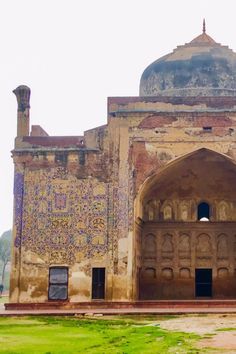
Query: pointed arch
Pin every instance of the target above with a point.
(199, 159)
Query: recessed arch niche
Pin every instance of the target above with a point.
(180, 241)
(149, 246)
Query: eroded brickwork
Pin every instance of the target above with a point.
(124, 197)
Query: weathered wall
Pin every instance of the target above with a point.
(171, 130)
(85, 207)
(172, 251)
(60, 219)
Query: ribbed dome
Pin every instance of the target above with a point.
(199, 68)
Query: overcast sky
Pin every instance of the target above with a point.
(73, 54)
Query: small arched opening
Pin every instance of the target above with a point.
(203, 212)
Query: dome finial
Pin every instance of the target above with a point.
(204, 26)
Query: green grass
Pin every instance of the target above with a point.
(50, 335)
(226, 329)
(142, 318)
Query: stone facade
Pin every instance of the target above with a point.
(118, 207)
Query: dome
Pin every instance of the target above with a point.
(199, 68)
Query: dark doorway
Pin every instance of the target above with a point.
(203, 282)
(203, 211)
(98, 283)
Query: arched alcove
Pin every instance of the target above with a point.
(186, 191)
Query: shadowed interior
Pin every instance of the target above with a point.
(174, 242)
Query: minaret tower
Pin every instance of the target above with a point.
(23, 118)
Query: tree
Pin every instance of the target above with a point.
(5, 252)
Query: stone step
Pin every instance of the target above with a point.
(206, 303)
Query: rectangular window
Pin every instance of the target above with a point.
(98, 283)
(61, 157)
(58, 283)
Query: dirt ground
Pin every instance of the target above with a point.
(218, 331)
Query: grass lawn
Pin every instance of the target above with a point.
(49, 335)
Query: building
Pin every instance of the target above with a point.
(143, 207)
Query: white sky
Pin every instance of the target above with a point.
(75, 53)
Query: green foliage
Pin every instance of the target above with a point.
(4, 299)
(38, 335)
(6, 281)
(5, 254)
(5, 246)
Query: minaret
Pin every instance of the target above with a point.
(23, 118)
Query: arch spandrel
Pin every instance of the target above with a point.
(195, 176)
